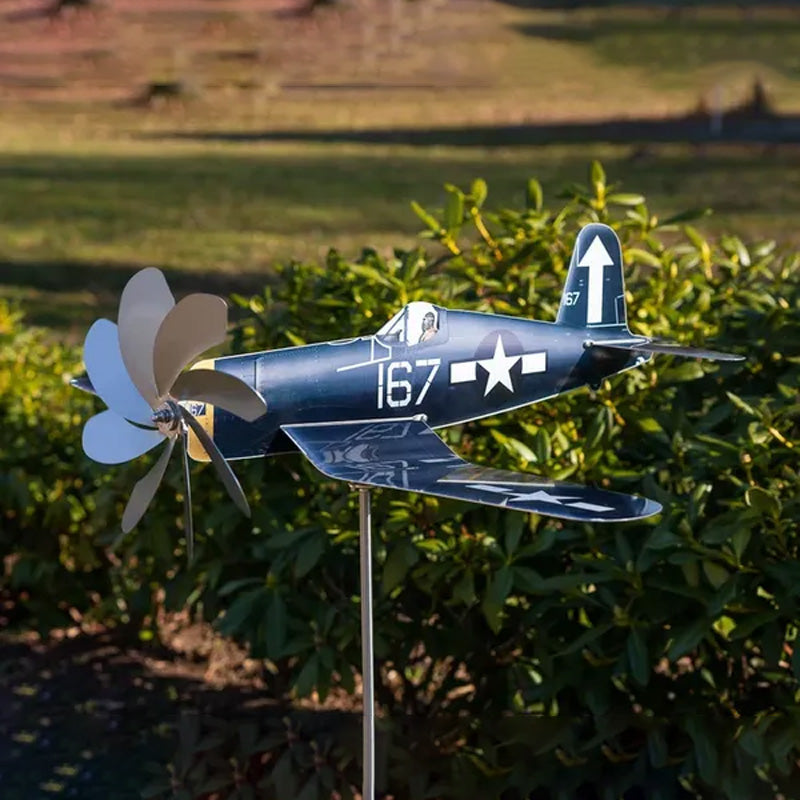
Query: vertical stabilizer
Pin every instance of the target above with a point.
(594, 294)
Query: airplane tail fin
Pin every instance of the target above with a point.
(594, 300)
(594, 294)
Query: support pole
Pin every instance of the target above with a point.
(367, 652)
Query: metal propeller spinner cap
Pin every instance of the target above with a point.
(167, 418)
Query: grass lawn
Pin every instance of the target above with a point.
(92, 188)
(75, 224)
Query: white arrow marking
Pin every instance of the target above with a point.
(596, 258)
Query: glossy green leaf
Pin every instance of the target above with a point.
(479, 192)
(307, 679)
(454, 209)
(705, 749)
(514, 528)
(241, 611)
(763, 502)
(275, 626)
(308, 555)
(431, 221)
(688, 638)
(626, 199)
(597, 174)
(717, 575)
(638, 657)
(534, 195)
(496, 594)
(401, 558)
(741, 404)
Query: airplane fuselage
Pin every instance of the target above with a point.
(475, 365)
(362, 410)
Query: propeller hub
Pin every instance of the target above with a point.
(167, 418)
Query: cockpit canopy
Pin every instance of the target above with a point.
(414, 324)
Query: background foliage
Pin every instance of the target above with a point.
(517, 654)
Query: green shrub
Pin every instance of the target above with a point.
(655, 655)
(521, 654)
(53, 502)
(59, 511)
(272, 755)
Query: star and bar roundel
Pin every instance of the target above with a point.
(504, 360)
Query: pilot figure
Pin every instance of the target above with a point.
(429, 329)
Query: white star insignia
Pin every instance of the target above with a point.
(540, 496)
(498, 368)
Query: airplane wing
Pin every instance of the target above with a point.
(407, 454)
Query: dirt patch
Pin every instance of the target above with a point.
(92, 50)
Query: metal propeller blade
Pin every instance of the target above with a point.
(220, 389)
(223, 470)
(108, 376)
(195, 324)
(133, 367)
(188, 522)
(145, 302)
(109, 439)
(145, 489)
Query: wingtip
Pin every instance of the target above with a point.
(651, 508)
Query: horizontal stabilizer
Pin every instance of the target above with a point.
(407, 454)
(667, 348)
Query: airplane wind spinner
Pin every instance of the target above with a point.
(364, 410)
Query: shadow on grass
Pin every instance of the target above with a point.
(217, 220)
(68, 295)
(83, 717)
(667, 5)
(109, 279)
(696, 128)
(94, 717)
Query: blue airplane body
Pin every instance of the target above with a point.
(363, 410)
